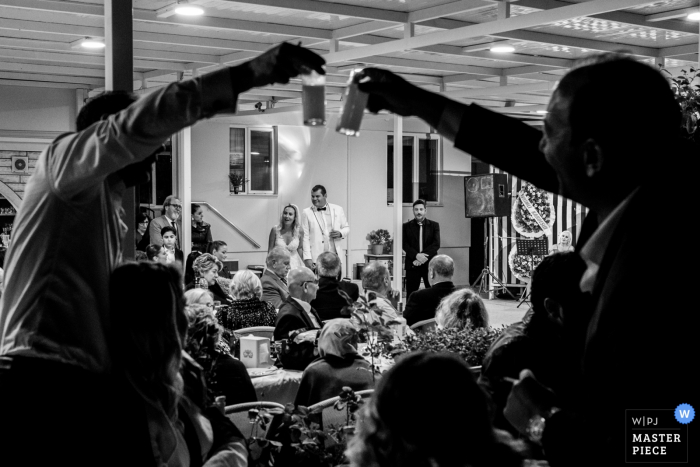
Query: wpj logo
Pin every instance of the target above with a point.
(657, 435)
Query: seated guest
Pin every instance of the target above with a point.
(423, 303)
(189, 271)
(376, 283)
(460, 435)
(544, 340)
(162, 394)
(206, 269)
(297, 321)
(141, 227)
(338, 365)
(224, 375)
(199, 296)
(247, 309)
(169, 240)
(460, 309)
(274, 279)
(219, 249)
(140, 256)
(328, 301)
(156, 254)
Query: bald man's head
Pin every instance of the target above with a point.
(303, 284)
(442, 267)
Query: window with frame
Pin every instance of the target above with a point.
(421, 168)
(252, 156)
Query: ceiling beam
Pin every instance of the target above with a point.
(484, 29)
(522, 58)
(673, 14)
(83, 81)
(56, 70)
(362, 28)
(84, 59)
(500, 90)
(39, 84)
(332, 8)
(679, 50)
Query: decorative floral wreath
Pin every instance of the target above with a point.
(522, 265)
(523, 222)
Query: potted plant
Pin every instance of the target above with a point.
(688, 97)
(237, 180)
(377, 239)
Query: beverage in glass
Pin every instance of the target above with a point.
(354, 103)
(313, 98)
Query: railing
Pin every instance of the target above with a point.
(235, 227)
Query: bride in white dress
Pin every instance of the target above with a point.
(288, 234)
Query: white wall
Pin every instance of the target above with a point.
(353, 170)
(36, 109)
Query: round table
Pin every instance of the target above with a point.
(279, 386)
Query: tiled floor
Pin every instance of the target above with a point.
(504, 311)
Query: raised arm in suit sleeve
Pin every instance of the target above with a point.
(411, 252)
(306, 243)
(344, 226)
(431, 249)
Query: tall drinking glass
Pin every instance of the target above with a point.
(354, 103)
(313, 98)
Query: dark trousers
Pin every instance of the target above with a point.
(52, 413)
(413, 276)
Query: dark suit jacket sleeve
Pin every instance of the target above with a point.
(431, 249)
(410, 250)
(412, 311)
(518, 154)
(287, 321)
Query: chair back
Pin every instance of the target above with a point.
(330, 416)
(238, 414)
(257, 331)
(423, 326)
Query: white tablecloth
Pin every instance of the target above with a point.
(280, 386)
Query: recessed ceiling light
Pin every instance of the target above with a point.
(503, 49)
(694, 16)
(92, 44)
(541, 111)
(185, 9)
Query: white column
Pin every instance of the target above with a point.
(398, 203)
(184, 187)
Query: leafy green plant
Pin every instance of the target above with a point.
(470, 343)
(237, 180)
(378, 237)
(687, 95)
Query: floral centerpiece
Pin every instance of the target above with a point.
(470, 343)
(522, 266)
(378, 238)
(237, 180)
(523, 221)
(687, 95)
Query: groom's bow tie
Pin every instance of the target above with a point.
(321, 209)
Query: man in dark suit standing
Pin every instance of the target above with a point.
(421, 241)
(297, 321)
(328, 301)
(423, 303)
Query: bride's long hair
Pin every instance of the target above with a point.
(296, 223)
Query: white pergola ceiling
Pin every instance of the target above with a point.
(441, 44)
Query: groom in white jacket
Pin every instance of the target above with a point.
(325, 228)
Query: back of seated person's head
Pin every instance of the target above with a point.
(103, 105)
(199, 296)
(375, 277)
(460, 309)
(203, 332)
(442, 265)
(140, 256)
(555, 288)
(245, 285)
(276, 254)
(206, 262)
(152, 252)
(428, 411)
(328, 264)
(189, 270)
(148, 329)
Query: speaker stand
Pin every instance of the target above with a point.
(486, 272)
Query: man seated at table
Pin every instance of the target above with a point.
(274, 279)
(422, 303)
(297, 321)
(328, 302)
(544, 340)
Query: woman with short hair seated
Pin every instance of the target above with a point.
(206, 269)
(460, 309)
(247, 309)
(225, 376)
(200, 297)
(428, 411)
(338, 365)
